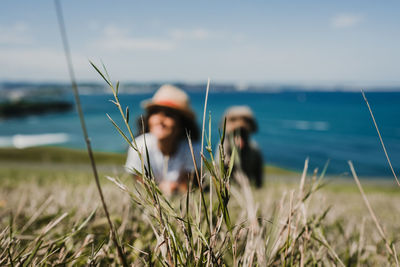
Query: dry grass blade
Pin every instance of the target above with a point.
(371, 211)
(380, 138)
(37, 214)
(303, 178)
(203, 202)
(395, 255)
(317, 235)
(52, 224)
(83, 125)
(360, 241)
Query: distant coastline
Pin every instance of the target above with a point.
(23, 108)
(14, 89)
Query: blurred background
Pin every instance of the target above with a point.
(299, 66)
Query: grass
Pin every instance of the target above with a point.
(44, 165)
(34, 193)
(47, 164)
(57, 155)
(48, 194)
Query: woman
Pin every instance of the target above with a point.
(167, 121)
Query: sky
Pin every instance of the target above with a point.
(243, 42)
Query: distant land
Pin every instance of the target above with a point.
(17, 90)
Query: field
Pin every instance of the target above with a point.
(51, 214)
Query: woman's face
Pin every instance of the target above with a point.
(164, 124)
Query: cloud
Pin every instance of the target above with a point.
(114, 38)
(196, 34)
(15, 34)
(38, 64)
(136, 44)
(341, 21)
(119, 39)
(111, 31)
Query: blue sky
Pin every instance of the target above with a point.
(296, 42)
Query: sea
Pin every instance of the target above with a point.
(329, 128)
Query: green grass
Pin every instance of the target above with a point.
(57, 155)
(44, 190)
(47, 164)
(44, 165)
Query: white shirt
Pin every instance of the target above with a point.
(163, 167)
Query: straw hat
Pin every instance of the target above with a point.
(240, 117)
(171, 97)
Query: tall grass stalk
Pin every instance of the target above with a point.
(83, 126)
(390, 247)
(380, 137)
(202, 148)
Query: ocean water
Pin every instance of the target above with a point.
(293, 126)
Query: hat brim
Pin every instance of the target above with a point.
(188, 113)
(188, 117)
